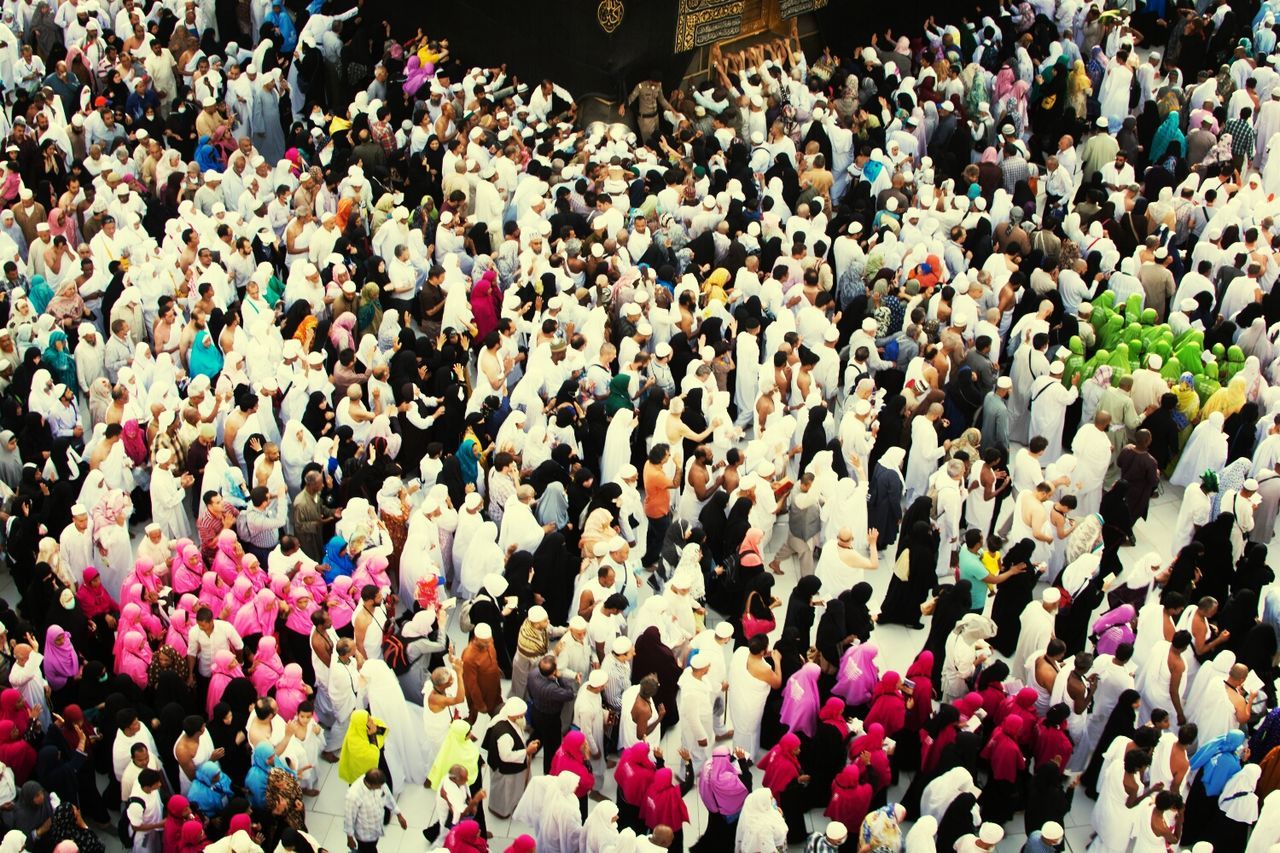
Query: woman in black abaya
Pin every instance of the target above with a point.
(857, 611)
(1217, 565)
(800, 610)
(904, 596)
(791, 656)
(953, 603)
(1012, 597)
(653, 657)
(553, 578)
(1122, 723)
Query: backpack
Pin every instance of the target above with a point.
(394, 653)
(464, 616)
(124, 829)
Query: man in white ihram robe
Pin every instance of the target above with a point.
(1037, 630)
(922, 459)
(76, 542)
(1049, 401)
(1092, 450)
(588, 717)
(746, 356)
(168, 498)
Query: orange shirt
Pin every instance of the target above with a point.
(657, 500)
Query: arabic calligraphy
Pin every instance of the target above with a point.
(609, 14)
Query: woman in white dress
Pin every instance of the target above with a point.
(617, 445)
(1205, 449)
(405, 750)
(761, 825)
(481, 557)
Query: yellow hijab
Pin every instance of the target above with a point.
(1227, 400)
(359, 756)
(713, 286)
(457, 749)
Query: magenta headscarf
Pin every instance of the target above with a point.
(61, 663)
(225, 561)
(800, 700)
(180, 623)
(719, 786)
(225, 669)
(211, 592)
(486, 304)
(301, 606)
(1113, 628)
(342, 606)
(188, 568)
(144, 573)
(257, 615)
(372, 570)
(858, 675)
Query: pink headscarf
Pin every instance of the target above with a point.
(267, 666)
(225, 669)
(341, 333)
(858, 674)
(258, 615)
(212, 593)
(301, 606)
(144, 573)
(290, 692)
(342, 606)
(187, 567)
(372, 570)
(180, 622)
(241, 594)
(226, 562)
(134, 658)
(719, 785)
(1114, 628)
(800, 700)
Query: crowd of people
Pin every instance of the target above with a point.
(368, 421)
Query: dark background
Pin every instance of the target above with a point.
(560, 39)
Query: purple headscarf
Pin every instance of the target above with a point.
(61, 663)
(719, 786)
(800, 700)
(858, 675)
(1113, 628)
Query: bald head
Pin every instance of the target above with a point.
(1102, 420)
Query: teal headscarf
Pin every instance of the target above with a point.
(40, 294)
(205, 358)
(1217, 761)
(59, 362)
(1168, 133)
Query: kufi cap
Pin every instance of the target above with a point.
(78, 509)
(837, 831)
(483, 631)
(598, 678)
(514, 707)
(25, 194)
(212, 175)
(862, 407)
(472, 501)
(947, 107)
(724, 630)
(315, 359)
(644, 328)
(538, 613)
(1251, 484)
(870, 325)
(577, 623)
(1056, 368)
(990, 833)
(1162, 253)
(1101, 122)
(1154, 361)
(1052, 595)
(209, 101)
(621, 645)
(831, 335)
(662, 350)
(1051, 831)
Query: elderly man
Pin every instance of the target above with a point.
(508, 757)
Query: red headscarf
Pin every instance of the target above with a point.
(175, 816)
(921, 676)
(523, 844)
(872, 743)
(1052, 744)
(781, 765)
(94, 599)
(850, 797)
(1003, 753)
(193, 840)
(12, 709)
(832, 713)
(634, 773)
(968, 705)
(888, 707)
(664, 804)
(18, 755)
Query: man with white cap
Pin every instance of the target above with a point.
(589, 718)
(480, 679)
(1148, 385)
(988, 836)
(169, 495)
(76, 542)
(1092, 450)
(1047, 839)
(695, 703)
(1048, 401)
(1036, 630)
(508, 758)
(829, 840)
(1241, 503)
(576, 654)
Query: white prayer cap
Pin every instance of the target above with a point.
(631, 309)
(709, 203)
(212, 176)
(597, 251)
(577, 623)
(831, 335)
(724, 630)
(1056, 368)
(621, 645)
(164, 456)
(597, 678)
(990, 833)
(765, 469)
(483, 631)
(1188, 305)
(1051, 831)
(1052, 595)
(1154, 361)
(1162, 253)
(514, 707)
(209, 101)
(446, 218)
(757, 138)
(25, 194)
(472, 501)
(837, 832)
(960, 322)
(600, 549)
(862, 407)
(495, 583)
(644, 328)
(698, 660)
(538, 613)
(152, 528)
(947, 107)
(1101, 122)
(1251, 484)
(870, 325)
(315, 359)
(662, 350)
(78, 509)
(201, 383)
(641, 296)
(348, 286)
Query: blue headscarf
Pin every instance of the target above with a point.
(256, 779)
(1217, 761)
(210, 790)
(207, 156)
(339, 563)
(1169, 133)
